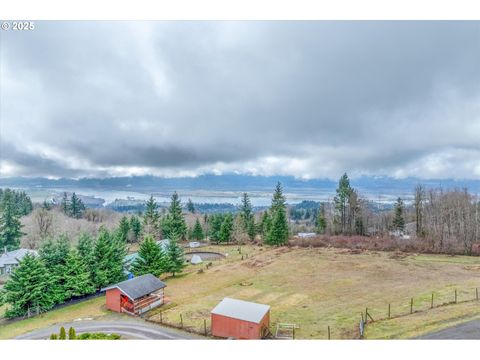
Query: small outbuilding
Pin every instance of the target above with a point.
(135, 296)
(196, 259)
(240, 319)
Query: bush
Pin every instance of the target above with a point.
(98, 336)
(71, 334)
(53, 337)
(63, 334)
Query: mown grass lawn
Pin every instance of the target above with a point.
(317, 288)
(93, 308)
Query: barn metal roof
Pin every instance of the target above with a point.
(243, 310)
(139, 286)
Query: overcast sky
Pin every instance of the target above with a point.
(309, 99)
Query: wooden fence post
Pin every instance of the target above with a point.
(328, 332)
(366, 315)
(389, 311)
(293, 333)
(455, 296)
(431, 304)
(161, 317)
(411, 306)
(476, 293)
(205, 326)
(181, 321)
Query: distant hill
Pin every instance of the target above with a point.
(371, 186)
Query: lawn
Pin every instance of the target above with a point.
(93, 308)
(317, 288)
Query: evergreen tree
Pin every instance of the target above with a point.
(398, 219)
(174, 223)
(175, 259)
(86, 251)
(321, 220)
(54, 254)
(265, 224)
(190, 206)
(197, 232)
(226, 228)
(53, 337)
(278, 229)
(28, 289)
(248, 220)
(151, 219)
(76, 207)
(46, 205)
(10, 225)
(72, 334)
(65, 204)
(215, 222)
(124, 229)
(344, 191)
(110, 252)
(78, 280)
(136, 227)
(151, 259)
(63, 334)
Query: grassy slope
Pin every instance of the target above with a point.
(93, 308)
(316, 288)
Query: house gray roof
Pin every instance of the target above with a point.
(243, 310)
(139, 286)
(13, 257)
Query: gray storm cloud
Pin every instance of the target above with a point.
(309, 99)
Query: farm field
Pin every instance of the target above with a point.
(317, 288)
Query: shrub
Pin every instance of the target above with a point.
(98, 336)
(54, 337)
(71, 334)
(63, 334)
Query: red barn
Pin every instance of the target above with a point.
(135, 296)
(239, 319)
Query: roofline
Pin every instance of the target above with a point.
(237, 318)
(124, 292)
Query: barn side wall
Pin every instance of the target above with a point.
(113, 299)
(225, 327)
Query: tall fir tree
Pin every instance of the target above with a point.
(321, 221)
(246, 213)
(278, 229)
(151, 218)
(124, 228)
(151, 259)
(344, 191)
(227, 228)
(76, 207)
(78, 281)
(265, 224)
(86, 250)
(28, 289)
(190, 206)
(174, 222)
(398, 219)
(110, 252)
(174, 253)
(10, 225)
(215, 221)
(136, 227)
(65, 204)
(197, 232)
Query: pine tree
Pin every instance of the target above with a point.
(76, 207)
(278, 229)
(197, 232)
(399, 220)
(86, 251)
(54, 254)
(341, 201)
(151, 259)
(65, 204)
(72, 334)
(136, 227)
(124, 229)
(78, 280)
(321, 219)
(226, 228)
(175, 259)
(246, 214)
(10, 225)
(28, 288)
(174, 223)
(190, 206)
(215, 222)
(63, 334)
(151, 219)
(265, 224)
(110, 252)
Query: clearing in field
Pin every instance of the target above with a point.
(317, 288)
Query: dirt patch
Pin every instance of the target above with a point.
(257, 263)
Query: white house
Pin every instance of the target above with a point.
(10, 259)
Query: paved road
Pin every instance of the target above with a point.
(466, 331)
(128, 329)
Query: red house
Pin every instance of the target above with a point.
(240, 319)
(135, 296)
